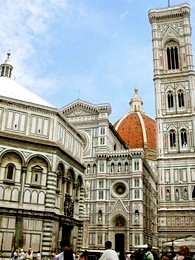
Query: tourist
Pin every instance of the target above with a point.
(109, 253)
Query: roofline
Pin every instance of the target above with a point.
(117, 135)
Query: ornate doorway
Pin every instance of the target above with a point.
(119, 242)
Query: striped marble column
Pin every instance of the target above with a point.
(51, 190)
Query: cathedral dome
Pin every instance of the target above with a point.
(11, 89)
(136, 128)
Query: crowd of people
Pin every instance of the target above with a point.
(109, 254)
(20, 254)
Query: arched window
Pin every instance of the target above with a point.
(10, 172)
(136, 165)
(126, 167)
(119, 167)
(180, 98)
(94, 168)
(172, 139)
(172, 56)
(170, 100)
(184, 140)
(112, 167)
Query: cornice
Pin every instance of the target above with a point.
(169, 13)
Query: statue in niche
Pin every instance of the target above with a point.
(87, 188)
(167, 194)
(99, 215)
(119, 222)
(176, 194)
(137, 217)
(185, 194)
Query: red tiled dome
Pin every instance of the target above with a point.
(136, 128)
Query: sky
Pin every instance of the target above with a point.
(94, 50)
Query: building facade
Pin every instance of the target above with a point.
(41, 172)
(120, 183)
(174, 82)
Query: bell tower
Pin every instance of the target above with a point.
(174, 84)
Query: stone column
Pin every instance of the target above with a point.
(51, 190)
(47, 237)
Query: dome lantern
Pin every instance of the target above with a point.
(6, 67)
(136, 102)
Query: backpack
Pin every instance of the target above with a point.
(145, 257)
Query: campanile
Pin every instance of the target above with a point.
(174, 86)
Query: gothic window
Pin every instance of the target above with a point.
(10, 170)
(172, 56)
(112, 167)
(102, 130)
(101, 183)
(180, 98)
(101, 166)
(170, 100)
(99, 239)
(136, 194)
(102, 140)
(172, 138)
(126, 167)
(94, 168)
(137, 240)
(119, 167)
(184, 140)
(100, 195)
(114, 147)
(136, 165)
(136, 182)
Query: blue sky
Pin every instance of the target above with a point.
(95, 50)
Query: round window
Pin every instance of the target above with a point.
(120, 188)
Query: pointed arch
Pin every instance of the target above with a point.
(172, 52)
(172, 138)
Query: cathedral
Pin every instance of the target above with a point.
(71, 174)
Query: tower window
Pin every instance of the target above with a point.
(112, 167)
(172, 58)
(136, 165)
(180, 98)
(170, 100)
(172, 138)
(184, 140)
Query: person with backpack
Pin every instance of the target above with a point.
(148, 254)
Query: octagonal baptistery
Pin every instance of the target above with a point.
(137, 129)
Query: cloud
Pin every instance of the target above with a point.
(26, 26)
